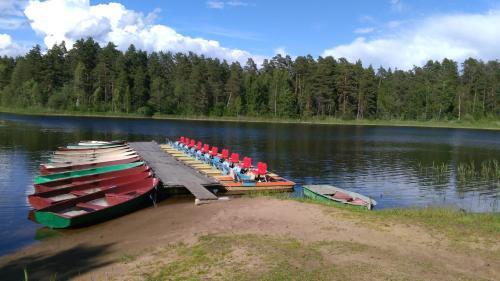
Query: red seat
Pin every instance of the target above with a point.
(198, 147)
(186, 141)
(192, 143)
(225, 153)
(214, 150)
(181, 140)
(206, 147)
(247, 162)
(235, 158)
(261, 169)
(342, 196)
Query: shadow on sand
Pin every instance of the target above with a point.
(62, 265)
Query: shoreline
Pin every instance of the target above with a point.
(477, 125)
(220, 239)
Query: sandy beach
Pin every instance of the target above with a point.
(141, 245)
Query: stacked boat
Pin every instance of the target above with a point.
(236, 175)
(89, 182)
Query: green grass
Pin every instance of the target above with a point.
(126, 258)
(467, 124)
(263, 257)
(486, 170)
(248, 257)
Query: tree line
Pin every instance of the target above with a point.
(90, 78)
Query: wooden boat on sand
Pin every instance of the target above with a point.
(330, 193)
(44, 199)
(95, 180)
(98, 206)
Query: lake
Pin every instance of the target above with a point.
(397, 166)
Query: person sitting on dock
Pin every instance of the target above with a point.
(178, 143)
(210, 155)
(245, 172)
(200, 154)
(217, 163)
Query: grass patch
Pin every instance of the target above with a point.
(475, 124)
(126, 258)
(263, 257)
(246, 257)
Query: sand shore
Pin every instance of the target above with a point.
(326, 241)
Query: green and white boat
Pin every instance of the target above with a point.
(86, 172)
(330, 193)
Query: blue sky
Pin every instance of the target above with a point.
(397, 33)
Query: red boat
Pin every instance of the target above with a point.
(46, 169)
(98, 206)
(97, 178)
(44, 199)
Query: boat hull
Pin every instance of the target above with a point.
(322, 198)
(90, 147)
(91, 152)
(44, 199)
(95, 179)
(88, 172)
(44, 170)
(52, 219)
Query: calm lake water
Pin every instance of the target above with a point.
(390, 164)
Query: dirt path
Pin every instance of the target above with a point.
(118, 249)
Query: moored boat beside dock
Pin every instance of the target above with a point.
(98, 206)
(235, 176)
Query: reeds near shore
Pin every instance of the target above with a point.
(486, 170)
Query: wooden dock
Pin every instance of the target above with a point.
(172, 173)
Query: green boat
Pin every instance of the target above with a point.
(87, 172)
(329, 193)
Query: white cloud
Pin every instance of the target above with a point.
(457, 37)
(11, 14)
(58, 20)
(364, 30)
(280, 51)
(215, 4)
(397, 5)
(236, 3)
(221, 4)
(9, 47)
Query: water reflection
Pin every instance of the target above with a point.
(388, 163)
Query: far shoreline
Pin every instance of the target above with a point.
(475, 125)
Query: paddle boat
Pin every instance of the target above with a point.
(235, 176)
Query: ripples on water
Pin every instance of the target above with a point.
(382, 162)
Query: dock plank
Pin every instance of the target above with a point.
(173, 173)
